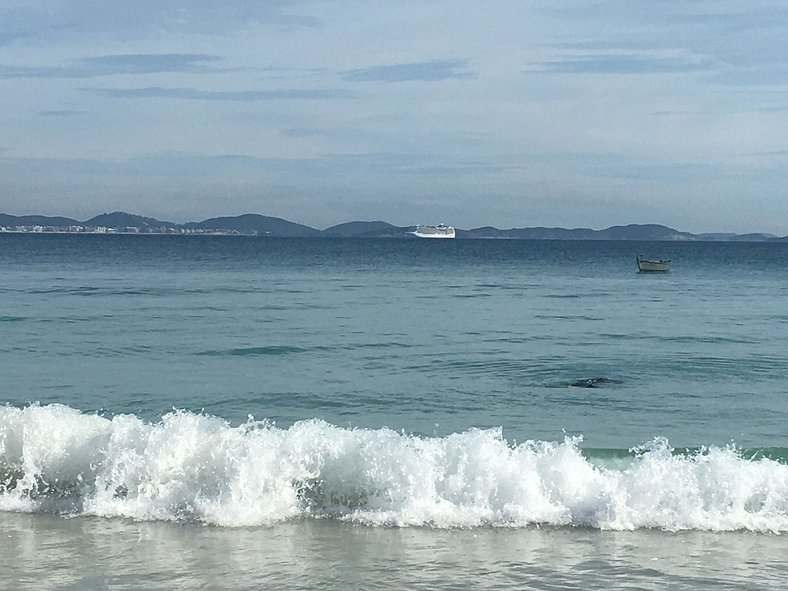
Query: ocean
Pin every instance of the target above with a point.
(211, 412)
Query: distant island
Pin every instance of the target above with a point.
(260, 225)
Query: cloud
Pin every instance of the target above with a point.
(50, 20)
(223, 95)
(432, 71)
(301, 132)
(407, 164)
(6, 38)
(149, 63)
(110, 65)
(623, 63)
(61, 113)
(742, 42)
(766, 75)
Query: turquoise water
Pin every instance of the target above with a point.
(430, 337)
(326, 390)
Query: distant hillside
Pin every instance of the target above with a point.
(643, 232)
(120, 219)
(262, 225)
(754, 237)
(529, 233)
(254, 223)
(630, 232)
(35, 220)
(716, 236)
(364, 229)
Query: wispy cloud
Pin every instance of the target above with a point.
(109, 65)
(223, 95)
(50, 20)
(623, 63)
(143, 63)
(432, 71)
(300, 132)
(61, 113)
(6, 38)
(763, 75)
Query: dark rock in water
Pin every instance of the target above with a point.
(593, 382)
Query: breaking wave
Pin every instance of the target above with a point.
(200, 468)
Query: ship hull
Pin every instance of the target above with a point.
(434, 232)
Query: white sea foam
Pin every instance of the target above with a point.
(196, 467)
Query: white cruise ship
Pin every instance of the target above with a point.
(439, 231)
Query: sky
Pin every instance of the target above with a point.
(510, 113)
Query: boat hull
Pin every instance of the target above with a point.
(647, 266)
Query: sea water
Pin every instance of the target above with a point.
(214, 412)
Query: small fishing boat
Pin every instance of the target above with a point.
(649, 266)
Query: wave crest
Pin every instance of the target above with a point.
(200, 468)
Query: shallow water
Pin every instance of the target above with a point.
(90, 553)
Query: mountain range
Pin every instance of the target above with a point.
(261, 225)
